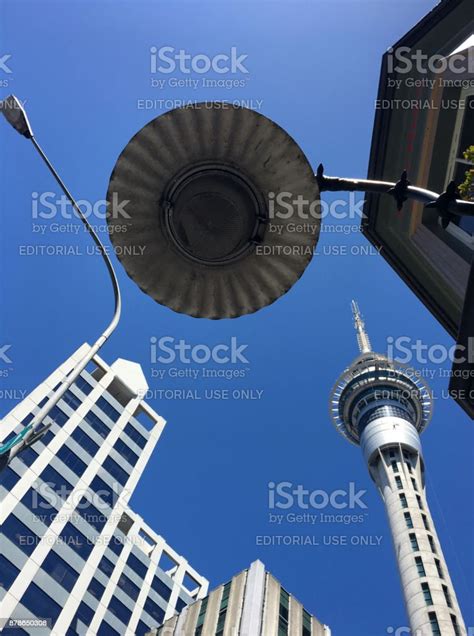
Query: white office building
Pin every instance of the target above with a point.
(72, 551)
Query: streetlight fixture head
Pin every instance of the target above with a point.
(200, 229)
(15, 114)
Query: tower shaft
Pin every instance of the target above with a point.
(430, 599)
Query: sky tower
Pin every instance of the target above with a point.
(380, 406)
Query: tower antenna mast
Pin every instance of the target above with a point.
(362, 336)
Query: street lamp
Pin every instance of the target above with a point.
(15, 114)
(205, 235)
(202, 237)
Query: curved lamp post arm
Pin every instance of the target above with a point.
(16, 116)
(447, 203)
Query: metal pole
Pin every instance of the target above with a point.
(72, 377)
(447, 202)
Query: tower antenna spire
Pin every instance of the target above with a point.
(362, 337)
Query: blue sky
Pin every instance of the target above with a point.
(313, 67)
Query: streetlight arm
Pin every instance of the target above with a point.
(16, 116)
(447, 203)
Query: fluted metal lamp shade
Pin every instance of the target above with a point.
(199, 230)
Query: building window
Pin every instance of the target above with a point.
(409, 466)
(58, 416)
(9, 573)
(425, 522)
(432, 544)
(106, 566)
(71, 460)
(223, 609)
(283, 613)
(19, 534)
(123, 449)
(420, 504)
(56, 482)
(89, 513)
(454, 621)
(59, 570)
(8, 478)
(114, 469)
(108, 409)
(85, 441)
(447, 596)
(439, 568)
(306, 624)
(403, 500)
(137, 566)
(128, 587)
(40, 604)
(398, 481)
(419, 566)
(71, 400)
(201, 617)
(96, 589)
(105, 492)
(460, 162)
(414, 542)
(161, 588)
(408, 520)
(83, 385)
(47, 437)
(106, 630)
(142, 629)
(27, 456)
(434, 624)
(121, 611)
(83, 618)
(72, 537)
(116, 543)
(97, 424)
(414, 484)
(394, 466)
(134, 435)
(427, 593)
(154, 610)
(41, 509)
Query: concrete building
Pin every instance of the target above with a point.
(253, 603)
(382, 407)
(424, 123)
(72, 551)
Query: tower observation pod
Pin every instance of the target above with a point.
(381, 406)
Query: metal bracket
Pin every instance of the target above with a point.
(447, 203)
